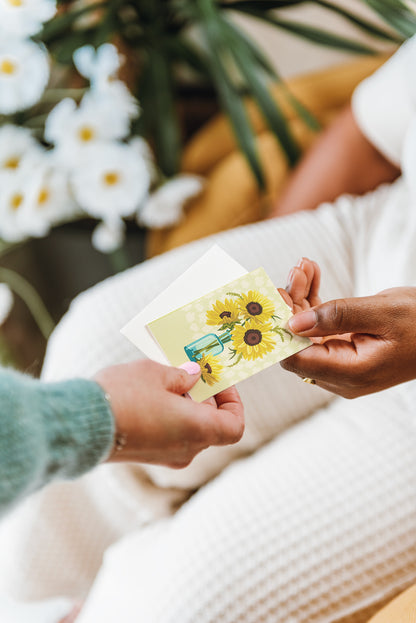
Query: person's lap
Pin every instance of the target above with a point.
(320, 523)
(120, 499)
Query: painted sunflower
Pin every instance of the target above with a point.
(252, 340)
(222, 313)
(254, 306)
(210, 369)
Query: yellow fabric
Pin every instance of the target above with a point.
(231, 196)
(400, 610)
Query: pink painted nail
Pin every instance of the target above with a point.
(191, 367)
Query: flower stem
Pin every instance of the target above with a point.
(36, 122)
(6, 247)
(52, 96)
(6, 357)
(119, 260)
(31, 298)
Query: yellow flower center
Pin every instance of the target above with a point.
(43, 196)
(86, 133)
(15, 3)
(7, 67)
(111, 178)
(12, 163)
(16, 201)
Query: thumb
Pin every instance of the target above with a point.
(365, 314)
(181, 380)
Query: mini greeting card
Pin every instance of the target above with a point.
(232, 332)
(210, 271)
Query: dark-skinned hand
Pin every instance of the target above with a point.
(362, 345)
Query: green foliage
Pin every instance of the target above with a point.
(156, 33)
(6, 357)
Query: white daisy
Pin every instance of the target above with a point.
(12, 195)
(143, 151)
(111, 181)
(6, 302)
(120, 98)
(108, 236)
(74, 129)
(100, 67)
(46, 199)
(165, 206)
(16, 144)
(23, 18)
(33, 198)
(24, 74)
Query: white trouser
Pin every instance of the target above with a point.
(316, 525)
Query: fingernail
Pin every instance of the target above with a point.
(300, 262)
(289, 279)
(303, 322)
(191, 367)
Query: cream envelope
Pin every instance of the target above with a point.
(212, 270)
(233, 332)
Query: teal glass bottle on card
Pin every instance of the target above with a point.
(210, 344)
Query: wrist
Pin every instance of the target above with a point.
(119, 439)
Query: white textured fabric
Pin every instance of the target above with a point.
(314, 527)
(385, 103)
(318, 526)
(49, 611)
(384, 107)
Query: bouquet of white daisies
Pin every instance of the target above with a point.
(78, 158)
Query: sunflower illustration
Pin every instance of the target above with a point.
(222, 313)
(253, 340)
(254, 306)
(210, 369)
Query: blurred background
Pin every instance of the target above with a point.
(106, 111)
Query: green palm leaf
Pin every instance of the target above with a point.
(396, 14)
(255, 81)
(229, 95)
(312, 34)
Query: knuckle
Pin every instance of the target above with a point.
(350, 393)
(236, 435)
(334, 313)
(290, 364)
(184, 377)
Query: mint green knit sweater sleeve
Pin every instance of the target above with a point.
(48, 431)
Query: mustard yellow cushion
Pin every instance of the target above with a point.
(231, 197)
(400, 610)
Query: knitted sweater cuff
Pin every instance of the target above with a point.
(48, 431)
(79, 426)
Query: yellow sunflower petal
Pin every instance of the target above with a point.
(210, 369)
(223, 312)
(253, 341)
(256, 307)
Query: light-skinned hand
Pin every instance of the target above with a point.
(367, 344)
(161, 425)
